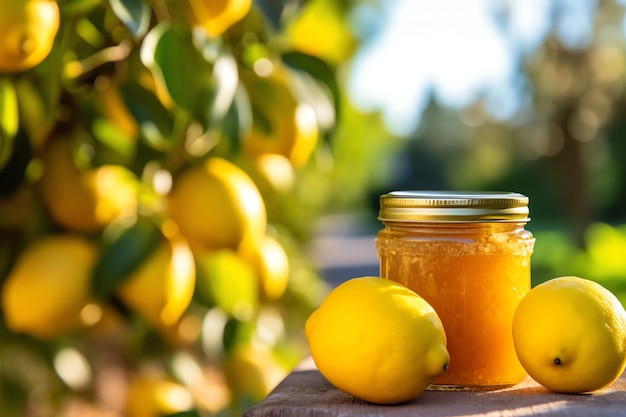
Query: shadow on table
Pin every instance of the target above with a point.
(306, 393)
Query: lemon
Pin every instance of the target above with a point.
(272, 172)
(335, 43)
(288, 127)
(84, 201)
(162, 287)
(151, 395)
(252, 372)
(377, 340)
(227, 281)
(217, 205)
(271, 264)
(27, 30)
(216, 16)
(570, 335)
(49, 286)
(112, 105)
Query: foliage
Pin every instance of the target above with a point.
(602, 260)
(131, 96)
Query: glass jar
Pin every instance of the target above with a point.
(467, 254)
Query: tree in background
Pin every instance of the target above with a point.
(564, 147)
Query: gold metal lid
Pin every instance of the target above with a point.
(453, 206)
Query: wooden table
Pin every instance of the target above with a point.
(306, 393)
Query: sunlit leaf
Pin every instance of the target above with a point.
(319, 70)
(168, 51)
(135, 14)
(123, 255)
(225, 81)
(9, 119)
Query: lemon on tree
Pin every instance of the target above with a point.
(111, 104)
(287, 127)
(272, 172)
(162, 286)
(27, 30)
(252, 372)
(152, 395)
(335, 43)
(84, 201)
(227, 281)
(570, 335)
(271, 264)
(49, 286)
(217, 205)
(377, 340)
(216, 16)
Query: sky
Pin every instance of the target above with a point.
(456, 50)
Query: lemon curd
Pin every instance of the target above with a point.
(468, 255)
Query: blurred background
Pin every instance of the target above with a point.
(182, 182)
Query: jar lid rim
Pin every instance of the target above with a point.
(453, 206)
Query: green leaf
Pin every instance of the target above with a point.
(135, 14)
(228, 282)
(120, 258)
(77, 7)
(108, 134)
(169, 52)
(319, 70)
(273, 10)
(237, 332)
(155, 121)
(225, 82)
(232, 123)
(9, 119)
(12, 174)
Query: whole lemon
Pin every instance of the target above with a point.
(49, 286)
(288, 127)
(27, 30)
(570, 335)
(377, 340)
(84, 201)
(217, 205)
(162, 287)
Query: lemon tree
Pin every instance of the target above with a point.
(570, 335)
(354, 340)
(143, 149)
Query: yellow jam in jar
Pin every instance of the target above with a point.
(467, 254)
